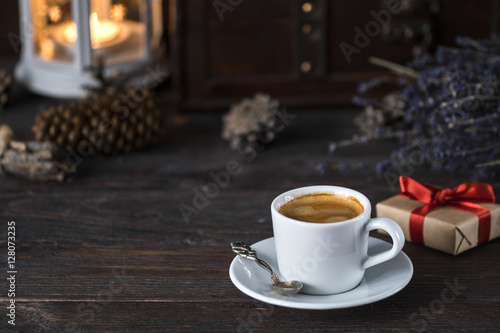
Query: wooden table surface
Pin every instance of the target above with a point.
(110, 251)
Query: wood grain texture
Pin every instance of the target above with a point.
(109, 251)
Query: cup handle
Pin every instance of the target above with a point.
(397, 235)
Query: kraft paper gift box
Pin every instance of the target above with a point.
(444, 228)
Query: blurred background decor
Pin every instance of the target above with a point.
(39, 161)
(63, 39)
(251, 122)
(6, 83)
(291, 49)
(131, 241)
(447, 115)
(288, 49)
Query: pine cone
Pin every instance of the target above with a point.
(6, 82)
(113, 122)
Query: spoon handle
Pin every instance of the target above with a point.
(243, 250)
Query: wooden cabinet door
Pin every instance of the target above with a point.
(295, 50)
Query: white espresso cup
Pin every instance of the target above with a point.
(329, 258)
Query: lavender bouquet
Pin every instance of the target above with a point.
(447, 113)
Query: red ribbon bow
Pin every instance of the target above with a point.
(463, 197)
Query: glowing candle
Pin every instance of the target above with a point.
(101, 31)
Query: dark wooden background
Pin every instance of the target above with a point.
(259, 45)
(109, 251)
(217, 58)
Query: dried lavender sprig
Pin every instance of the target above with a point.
(475, 120)
(477, 52)
(363, 139)
(468, 98)
(456, 87)
(477, 150)
(480, 129)
(363, 87)
(345, 167)
(487, 164)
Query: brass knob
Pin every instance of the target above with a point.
(306, 29)
(306, 66)
(307, 7)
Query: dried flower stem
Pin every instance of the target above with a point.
(395, 68)
(487, 164)
(476, 150)
(479, 129)
(475, 120)
(492, 57)
(365, 138)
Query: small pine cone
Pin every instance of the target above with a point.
(6, 82)
(118, 121)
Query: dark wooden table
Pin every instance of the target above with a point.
(110, 251)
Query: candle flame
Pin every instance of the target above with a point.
(100, 31)
(94, 20)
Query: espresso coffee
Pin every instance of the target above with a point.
(322, 207)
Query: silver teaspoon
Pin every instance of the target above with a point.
(283, 288)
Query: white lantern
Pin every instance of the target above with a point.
(62, 39)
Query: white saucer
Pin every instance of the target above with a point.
(379, 282)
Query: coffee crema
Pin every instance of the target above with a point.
(322, 207)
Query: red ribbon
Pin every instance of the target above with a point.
(463, 197)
